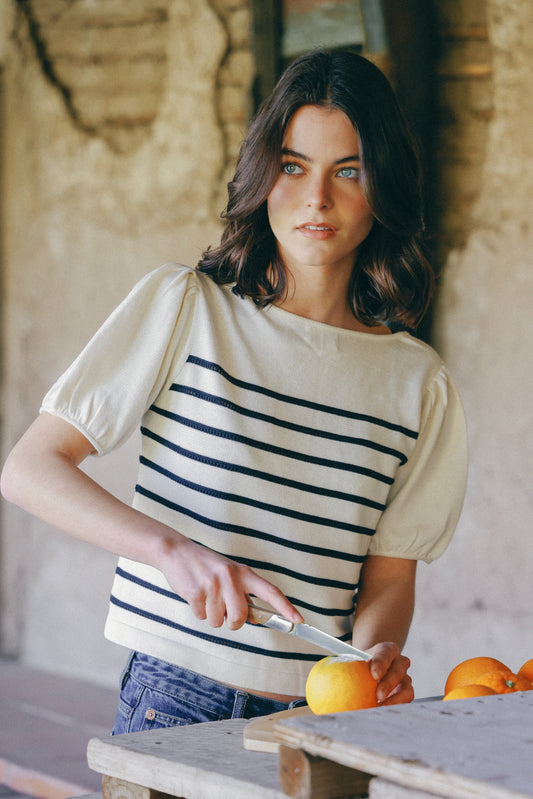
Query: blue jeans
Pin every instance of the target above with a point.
(157, 694)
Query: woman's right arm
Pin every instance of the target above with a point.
(41, 475)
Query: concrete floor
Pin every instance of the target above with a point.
(45, 724)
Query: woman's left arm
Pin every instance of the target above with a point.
(385, 605)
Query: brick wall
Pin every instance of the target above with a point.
(463, 97)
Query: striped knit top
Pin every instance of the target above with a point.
(283, 443)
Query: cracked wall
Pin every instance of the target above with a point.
(108, 66)
(108, 62)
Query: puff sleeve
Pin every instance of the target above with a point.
(110, 385)
(426, 498)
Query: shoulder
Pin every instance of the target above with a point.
(168, 276)
(417, 369)
(439, 395)
(168, 283)
(403, 356)
(417, 356)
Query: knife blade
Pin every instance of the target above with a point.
(315, 636)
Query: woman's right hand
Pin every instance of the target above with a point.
(217, 588)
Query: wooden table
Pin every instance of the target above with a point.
(462, 749)
(201, 761)
(465, 749)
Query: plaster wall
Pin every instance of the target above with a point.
(92, 201)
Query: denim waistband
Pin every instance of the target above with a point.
(195, 688)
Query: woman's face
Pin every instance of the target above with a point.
(316, 209)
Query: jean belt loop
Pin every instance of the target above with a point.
(127, 668)
(239, 705)
(297, 703)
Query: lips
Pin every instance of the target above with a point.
(316, 226)
(317, 230)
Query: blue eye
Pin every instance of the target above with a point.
(349, 172)
(291, 169)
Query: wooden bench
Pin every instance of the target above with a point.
(466, 749)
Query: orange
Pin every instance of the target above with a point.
(468, 671)
(468, 691)
(526, 670)
(504, 682)
(338, 683)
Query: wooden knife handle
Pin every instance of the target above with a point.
(258, 615)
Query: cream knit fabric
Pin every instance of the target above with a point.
(283, 443)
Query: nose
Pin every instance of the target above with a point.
(319, 194)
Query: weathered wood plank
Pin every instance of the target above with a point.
(466, 749)
(201, 761)
(259, 735)
(113, 788)
(303, 776)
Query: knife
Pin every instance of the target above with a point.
(323, 640)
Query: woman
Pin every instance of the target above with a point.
(293, 448)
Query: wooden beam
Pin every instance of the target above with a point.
(304, 776)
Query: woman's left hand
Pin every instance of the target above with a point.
(389, 667)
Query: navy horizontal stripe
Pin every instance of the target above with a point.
(298, 428)
(132, 578)
(324, 611)
(263, 445)
(298, 401)
(266, 506)
(260, 475)
(306, 578)
(169, 594)
(213, 639)
(249, 531)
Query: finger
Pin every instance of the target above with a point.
(215, 607)
(262, 589)
(383, 657)
(401, 694)
(395, 676)
(197, 603)
(237, 601)
(236, 611)
(227, 596)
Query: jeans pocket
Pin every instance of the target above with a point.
(155, 720)
(158, 709)
(129, 701)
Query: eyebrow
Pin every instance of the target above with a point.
(295, 154)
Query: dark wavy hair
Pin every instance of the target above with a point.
(392, 280)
